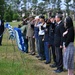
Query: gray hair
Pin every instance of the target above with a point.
(59, 16)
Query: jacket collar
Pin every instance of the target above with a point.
(58, 22)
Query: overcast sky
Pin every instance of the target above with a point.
(62, 4)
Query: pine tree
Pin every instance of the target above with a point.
(2, 7)
(58, 5)
(67, 3)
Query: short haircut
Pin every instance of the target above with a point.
(59, 12)
(52, 16)
(42, 17)
(59, 16)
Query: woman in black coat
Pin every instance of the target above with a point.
(69, 46)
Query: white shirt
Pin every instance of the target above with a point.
(41, 32)
(58, 22)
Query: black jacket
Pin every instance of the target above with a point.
(69, 36)
(46, 36)
(51, 33)
(2, 27)
(58, 37)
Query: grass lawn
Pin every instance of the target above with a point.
(15, 62)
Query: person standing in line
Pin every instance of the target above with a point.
(58, 41)
(1, 30)
(24, 28)
(68, 58)
(36, 31)
(46, 43)
(51, 39)
(30, 34)
(42, 25)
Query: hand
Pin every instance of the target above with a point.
(65, 33)
(61, 46)
(26, 37)
(64, 48)
(42, 39)
(46, 30)
(48, 45)
(33, 36)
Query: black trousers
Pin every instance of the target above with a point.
(59, 58)
(41, 46)
(52, 47)
(1, 40)
(26, 44)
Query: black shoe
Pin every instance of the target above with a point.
(0, 44)
(37, 56)
(33, 53)
(46, 62)
(53, 66)
(30, 53)
(41, 59)
(58, 71)
(26, 52)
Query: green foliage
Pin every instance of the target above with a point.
(15, 16)
(41, 8)
(33, 5)
(34, 1)
(67, 1)
(10, 15)
(2, 7)
(7, 17)
(73, 5)
(53, 4)
(46, 0)
(59, 5)
(53, 1)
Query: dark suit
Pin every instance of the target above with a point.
(51, 33)
(1, 31)
(51, 39)
(58, 41)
